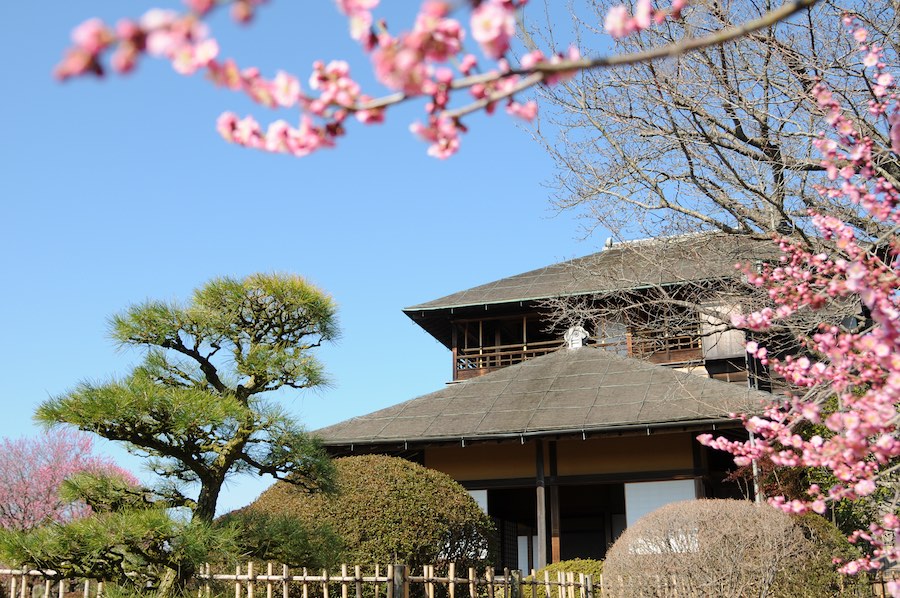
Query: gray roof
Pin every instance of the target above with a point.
(570, 391)
(628, 265)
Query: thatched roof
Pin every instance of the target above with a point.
(629, 265)
(584, 390)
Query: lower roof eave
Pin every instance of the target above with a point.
(584, 433)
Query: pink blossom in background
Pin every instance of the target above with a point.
(32, 470)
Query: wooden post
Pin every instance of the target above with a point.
(12, 586)
(472, 582)
(547, 591)
(305, 584)
(325, 583)
(251, 581)
(47, 586)
(541, 504)
(345, 590)
(451, 586)
(237, 581)
(489, 576)
(589, 586)
(207, 585)
(570, 580)
(429, 581)
(534, 583)
(390, 582)
(61, 588)
(357, 574)
(269, 588)
(23, 583)
(400, 582)
(516, 585)
(285, 584)
(377, 572)
(554, 505)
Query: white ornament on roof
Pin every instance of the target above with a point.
(575, 336)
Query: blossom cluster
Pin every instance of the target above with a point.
(32, 471)
(856, 362)
(430, 61)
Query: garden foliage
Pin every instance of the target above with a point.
(727, 548)
(389, 510)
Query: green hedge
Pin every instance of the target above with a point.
(576, 566)
(389, 510)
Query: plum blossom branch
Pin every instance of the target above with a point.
(859, 366)
(415, 63)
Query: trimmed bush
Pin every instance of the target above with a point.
(728, 548)
(818, 575)
(576, 566)
(389, 510)
(707, 548)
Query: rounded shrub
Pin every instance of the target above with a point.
(709, 548)
(389, 510)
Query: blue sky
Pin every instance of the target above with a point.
(120, 190)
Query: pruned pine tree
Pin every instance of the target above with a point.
(199, 407)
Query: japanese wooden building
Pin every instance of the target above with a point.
(564, 445)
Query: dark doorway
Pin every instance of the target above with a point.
(591, 517)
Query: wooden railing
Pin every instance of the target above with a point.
(666, 349)
(481, 360)
(473, 362)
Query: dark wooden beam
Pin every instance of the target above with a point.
(541, 504)
(554, 505)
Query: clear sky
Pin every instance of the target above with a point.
(120, 190)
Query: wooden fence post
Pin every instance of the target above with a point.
(357, 574)
(589, 586)
(515, 586)
(451, 573)
(400, 582)
(285, 584)
(390, 581)
(345, 590)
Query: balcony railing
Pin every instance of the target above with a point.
(481, 360)
(667, 349)
(474, 362)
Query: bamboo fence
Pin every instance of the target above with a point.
(279, 581)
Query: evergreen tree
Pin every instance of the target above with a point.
(198, 407)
